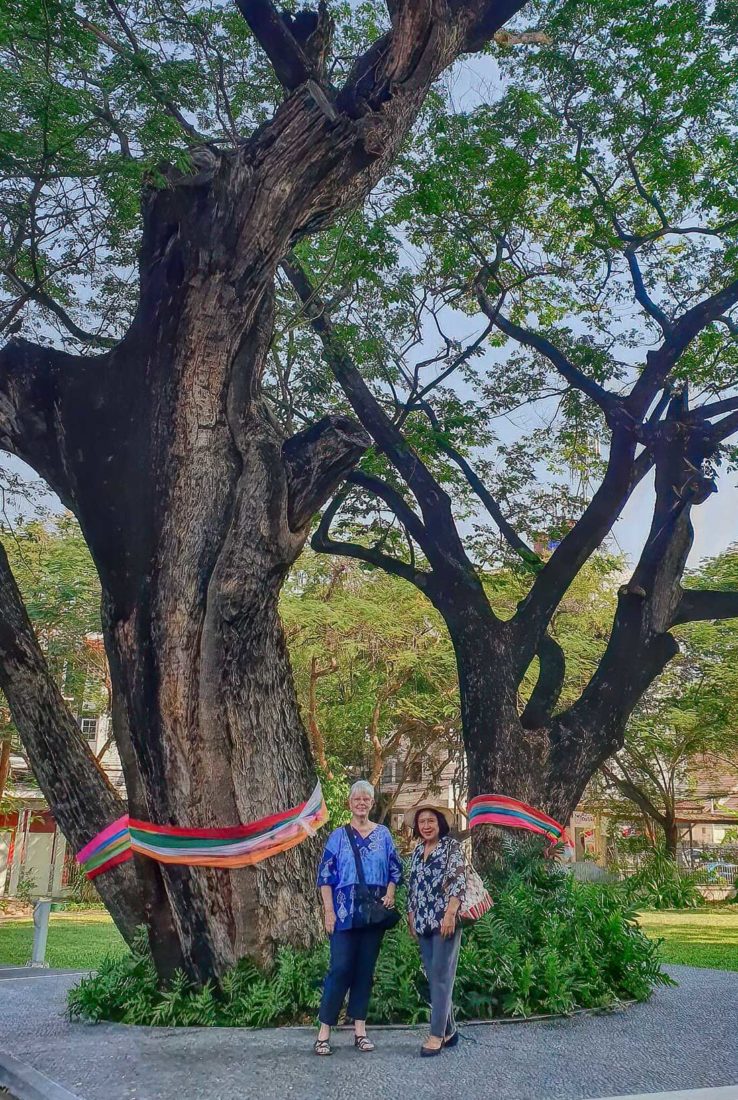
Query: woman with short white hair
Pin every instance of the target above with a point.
(357, 877)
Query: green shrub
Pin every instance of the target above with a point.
(550, 945)
(659, 884)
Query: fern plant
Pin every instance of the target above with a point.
(549, 945)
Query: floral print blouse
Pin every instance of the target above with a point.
(337, 869)
(433, 882)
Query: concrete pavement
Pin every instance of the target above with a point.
(683, 1039)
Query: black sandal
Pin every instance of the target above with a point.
(366, 1046)
(322, 1047)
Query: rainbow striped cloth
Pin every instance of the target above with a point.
(109, 848)
(497, 809)
(236, 846)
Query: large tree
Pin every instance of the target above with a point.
(154, 431)
(570, 249)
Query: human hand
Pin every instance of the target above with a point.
(329, 919)
(388, 901)
(411, 926)
(448, 924)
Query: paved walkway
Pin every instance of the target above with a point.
(685, 1038)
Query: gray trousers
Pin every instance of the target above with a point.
(440, 957)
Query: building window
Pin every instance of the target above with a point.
(89, 728)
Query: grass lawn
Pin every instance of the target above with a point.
(76, 940)
(696, 937)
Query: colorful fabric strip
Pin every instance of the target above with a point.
(235, 846)
(498, 809)
(109, 848)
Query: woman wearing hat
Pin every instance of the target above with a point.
(435, 893)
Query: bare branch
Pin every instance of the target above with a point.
(642, 295)
(715, 408)
(274, 35)
(725, 427)
(506, 529)
(445, 548)
(393, 500)
(323, 543)
(37, 294)
(546, 693)
(697, 605)
(575, 377)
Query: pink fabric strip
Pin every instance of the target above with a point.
(100, 839)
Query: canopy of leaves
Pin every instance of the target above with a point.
(592, 196)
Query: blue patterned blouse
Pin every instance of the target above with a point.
(379, 860)
(433, 882)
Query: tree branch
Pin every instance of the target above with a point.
(31, 383)
(272, 32)
(444, 548)
(633, 794)
(532, 560)
(393, 500)
(317, 459)
(660, 362)
(546, 693)
(696, 605)
(324, 544)
(575, 377)
(39, 295)
(642, 295)
(725, 427)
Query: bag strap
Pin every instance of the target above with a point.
(357, 857)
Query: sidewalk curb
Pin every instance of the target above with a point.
(26, 1083)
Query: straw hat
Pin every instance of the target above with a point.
(428, 804)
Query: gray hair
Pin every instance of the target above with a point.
(361, 786)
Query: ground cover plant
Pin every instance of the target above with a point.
(551, 945)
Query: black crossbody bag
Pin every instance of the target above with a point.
(373, 914)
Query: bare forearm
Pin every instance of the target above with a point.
(326, 894)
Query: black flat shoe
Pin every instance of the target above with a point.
(430, 1052)
(322, 1048)
(366, 1046)
(452, 1040)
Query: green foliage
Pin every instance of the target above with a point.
(61, 592)
(658, 884)
(550, 945)
(27, 887)
(335, 792)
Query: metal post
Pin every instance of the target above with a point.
(41, 911)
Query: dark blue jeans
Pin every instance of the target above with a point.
(353, 958)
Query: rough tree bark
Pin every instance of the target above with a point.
(192, 503)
